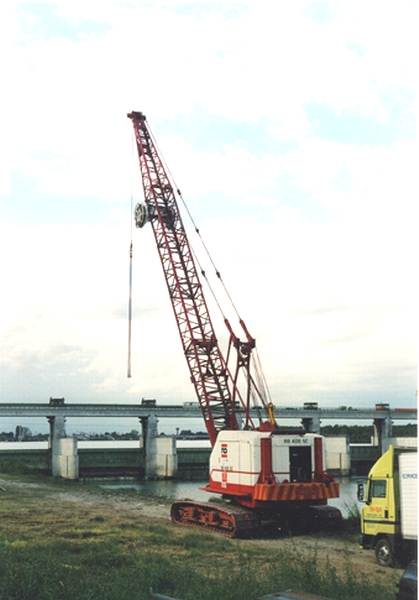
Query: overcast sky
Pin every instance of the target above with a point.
(289, 128)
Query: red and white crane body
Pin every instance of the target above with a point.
(258, 467)
(262, 469)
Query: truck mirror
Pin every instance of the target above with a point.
(361, 493)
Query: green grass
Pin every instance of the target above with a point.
(61, 570)
(55, 549)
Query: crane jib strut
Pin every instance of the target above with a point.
(215, 385)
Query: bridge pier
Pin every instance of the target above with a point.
(64, 460)
(383, 431)
(311, 424)
(160, 452)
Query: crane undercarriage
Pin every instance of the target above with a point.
(232, 521)
(238, 522)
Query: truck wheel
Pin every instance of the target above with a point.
(384, 553)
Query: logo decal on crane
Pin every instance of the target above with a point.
(224, 479)
(224, 451)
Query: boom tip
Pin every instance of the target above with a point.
(135, 114)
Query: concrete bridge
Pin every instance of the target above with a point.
(160, 452)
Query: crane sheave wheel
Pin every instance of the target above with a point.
(141, 215)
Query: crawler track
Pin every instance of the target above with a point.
(232, 522)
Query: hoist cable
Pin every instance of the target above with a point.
(204, 275)
(217, 272)
(130, 265)
(129, 312)
(260, 376)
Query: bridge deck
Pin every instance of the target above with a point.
(190, 411)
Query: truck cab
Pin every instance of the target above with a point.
(381, 516)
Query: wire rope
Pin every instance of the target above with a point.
(260, 377)
(130, 263)
(217, 272)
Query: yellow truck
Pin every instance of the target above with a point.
(389, 517)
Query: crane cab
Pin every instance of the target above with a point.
(264, 467)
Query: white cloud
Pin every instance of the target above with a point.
(265, 63)
(316, 241)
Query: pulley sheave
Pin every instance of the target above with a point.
(141, 215)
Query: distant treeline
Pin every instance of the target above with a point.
(361, 434)
(24, 434)
(357, 434)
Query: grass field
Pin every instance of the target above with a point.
(51, 548)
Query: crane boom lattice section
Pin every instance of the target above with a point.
(207, 366)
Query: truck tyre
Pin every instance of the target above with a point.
(384, 553)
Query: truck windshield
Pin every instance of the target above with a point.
(378, 488)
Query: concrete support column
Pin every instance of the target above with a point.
(160, 452)
(383, 431)
(161, 458)
(64, 460)
(56, 429)
(311, 424)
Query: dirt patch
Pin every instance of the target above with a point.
(111, 503)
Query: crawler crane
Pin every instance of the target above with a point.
(271, 478)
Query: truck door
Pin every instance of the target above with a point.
(300, 463)
(376, 512)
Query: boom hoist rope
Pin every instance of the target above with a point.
(203, 273)
(260, 376)
(130, 263)
(129, 312)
